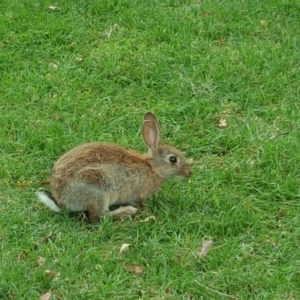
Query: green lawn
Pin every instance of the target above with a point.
(78, 71)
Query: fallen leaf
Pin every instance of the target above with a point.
(206, 245)
(22, 255)
(56, 117)
(46, 296)
(222, 123)
(41, 260)
(206, 13)
(148, 219)
(278, 135)
(52, 7)
(111, 30)
(53, 66)
(134, 269)
(169, 291)
(124, 247)
(47, 237)
(222, 41)
(52, 275)
(263, 22)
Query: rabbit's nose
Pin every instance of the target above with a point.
(187, 171)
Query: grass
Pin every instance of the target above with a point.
(87, 71)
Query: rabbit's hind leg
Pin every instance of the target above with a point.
(83, 197)
(97, 205)
(93, 213)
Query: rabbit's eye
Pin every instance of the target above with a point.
(173, 159)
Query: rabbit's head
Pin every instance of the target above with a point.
(165, 160)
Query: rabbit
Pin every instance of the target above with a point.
(96, 176)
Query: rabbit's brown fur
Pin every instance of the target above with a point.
(94, 176)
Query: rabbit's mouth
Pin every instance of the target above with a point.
(185, 172)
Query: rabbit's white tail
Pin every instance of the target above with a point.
(48, 200)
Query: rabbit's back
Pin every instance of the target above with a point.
(103, 168)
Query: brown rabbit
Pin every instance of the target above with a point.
(95, 176)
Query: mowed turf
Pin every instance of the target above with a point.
(222, 77)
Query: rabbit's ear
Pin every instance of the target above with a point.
(151, 135)
(149, 116)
